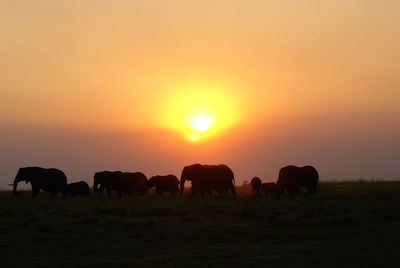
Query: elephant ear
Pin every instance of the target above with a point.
(27, 177)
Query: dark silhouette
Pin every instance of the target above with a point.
(80, 188)
(293, 178)
(47, 179)
(206, 178)
(168, 183)
(136, 183)
(123, 183)
(270, 188)
(256, 185)
(109, 181)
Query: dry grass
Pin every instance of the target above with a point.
(346, 225)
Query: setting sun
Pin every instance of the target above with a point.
(201, 123)
(201, 111)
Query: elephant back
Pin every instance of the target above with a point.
(219, 177)
(78, 188)
(135, 182)
(309, 176)
(51, 176)
(110, 180)
(288, 176)
(170, 183)
(296, 177)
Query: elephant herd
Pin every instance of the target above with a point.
(291, 179)
(205, 179)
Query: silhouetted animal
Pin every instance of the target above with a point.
(292, 178)
(208, 178)
(123, 183)
(47, 179)
(136, 183)
(168, 183)
(80, 188)
(269, 188)
(256, 185)
(109, 181)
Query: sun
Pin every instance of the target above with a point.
(200, 112)
(201, 123)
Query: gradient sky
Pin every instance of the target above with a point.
(96, 85)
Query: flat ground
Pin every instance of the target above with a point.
(347, 225)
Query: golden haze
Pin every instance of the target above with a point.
(277, 81)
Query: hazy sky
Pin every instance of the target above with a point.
(95, 85)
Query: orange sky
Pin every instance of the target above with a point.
(283, 82)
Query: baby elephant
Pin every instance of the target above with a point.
(78, 189)
(256, 185)
(168, 183)
(270, 188)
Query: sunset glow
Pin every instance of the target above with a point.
(155, 85)
(201, 123)
(150, 133)
(203, 112)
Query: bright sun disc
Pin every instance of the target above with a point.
(201, 123)
(200, 111)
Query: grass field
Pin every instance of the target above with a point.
(347, 225)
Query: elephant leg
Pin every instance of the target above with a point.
(159, 192)
(312, 190)
(108, 192)
(194, 191)
(315, 188)
(233, 190)
(35, 191)
(101, 188)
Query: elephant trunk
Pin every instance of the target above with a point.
(15, 187)
(182, 185)
(95, 185)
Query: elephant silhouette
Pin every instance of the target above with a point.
(136, 183)
(167, 183)
(47, 179)
(208, 178)
(256, 185)
(270, 188)
(294, 178)
(80, 188)
(127, 183)
(109, 181)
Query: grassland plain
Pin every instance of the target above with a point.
(354, 224)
